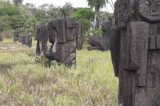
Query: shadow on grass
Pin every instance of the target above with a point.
(4, 68)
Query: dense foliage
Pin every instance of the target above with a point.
(9, 10)
(26, 17)
(85, 15)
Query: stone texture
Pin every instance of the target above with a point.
(80, 35)
(115, 49)
(64, 35)
(101, 42)
(95, 43)
(27, 40)
(29, 37)
(42, 38)
(106, 31)
(17, 36)
(135, 51)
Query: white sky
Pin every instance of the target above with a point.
(75, 3)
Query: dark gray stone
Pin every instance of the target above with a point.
(115, 49)
(63, 35)
(149, 10)
(106, 32)
(20, 39)
(29, 40)
(95, 43)
(135, 51)
(42, 38)
(17, 36)
(26, 40)
(23, 39)
(101, 42)
(80, 35)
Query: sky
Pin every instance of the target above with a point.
(75, 3)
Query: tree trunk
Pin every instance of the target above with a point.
(97, 16)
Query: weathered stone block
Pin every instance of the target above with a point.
(135, 51)
(106, 32)
(64, 35)
(42, 38)
(80, 35)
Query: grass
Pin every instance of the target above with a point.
(23, 82)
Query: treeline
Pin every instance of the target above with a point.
(27, 17)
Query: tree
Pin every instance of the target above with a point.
(97, 4)
(111, 3)
(84, 15)
(66, 10)
(54, 12)
(17, 2)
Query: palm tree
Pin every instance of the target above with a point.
(97, 4)
(17, 2)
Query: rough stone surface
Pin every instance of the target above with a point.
(106, 31)
(115, 49)
(42, 38)
(135, 51)
(95, 43)
(29, 37)
(80, 35)
(64, 35)
(17, 36)
(101, 42)
(27, 40)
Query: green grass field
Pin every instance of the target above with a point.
(25, 82)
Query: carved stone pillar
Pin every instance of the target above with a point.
(63, 36)
(135, 49)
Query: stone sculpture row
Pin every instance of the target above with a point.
(25, 39)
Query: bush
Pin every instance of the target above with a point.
(9, 11)
(84, 15)
(97, 32)
(41, 60)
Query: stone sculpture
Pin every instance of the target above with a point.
(63, 37)
(27, 40)
(42, 38)
(135, 49)
(101, 42)
(80, 37)
(106, 31)
(96, 43)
